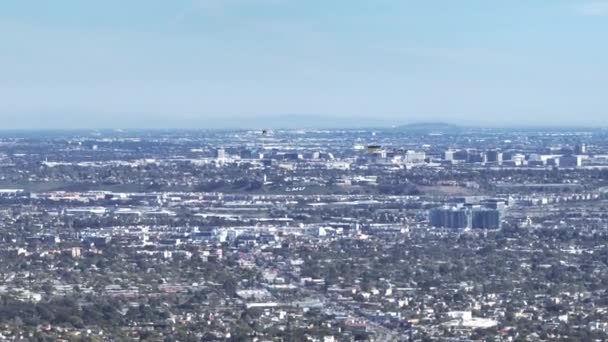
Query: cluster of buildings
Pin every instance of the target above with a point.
(316, 235)
(486, 214)
(564, 157)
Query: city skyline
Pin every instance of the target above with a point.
(303, 170)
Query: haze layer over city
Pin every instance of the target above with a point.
(285, 170)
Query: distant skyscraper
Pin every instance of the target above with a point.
(553, 162)
(570, 161)
(461, 155)
(486, 219)
(414, 157)
(580, 149)
(494, 156)
(465, 217)
(448, 155)
(220, 153)
(450, 217)
(475, 157)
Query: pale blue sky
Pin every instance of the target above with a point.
(211, 63)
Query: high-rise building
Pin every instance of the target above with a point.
(448, 155)
(553, 162)
(461, 155)
(475, 157)
(220, 153)
(486, 219)
(450, 217)
(580, 149)
(463, 217)
(570, 161)
(414, 157)
(494, 156)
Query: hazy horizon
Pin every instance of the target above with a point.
(288, 64)
(304, 123)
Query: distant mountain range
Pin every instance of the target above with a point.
(428, 127)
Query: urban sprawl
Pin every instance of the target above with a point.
(416, 233)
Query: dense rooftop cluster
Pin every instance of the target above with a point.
(334, 235)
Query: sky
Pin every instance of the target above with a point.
(314, 63)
